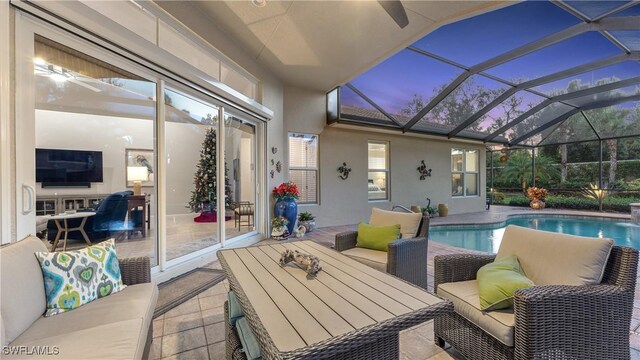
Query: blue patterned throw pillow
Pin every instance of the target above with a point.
(74, 278)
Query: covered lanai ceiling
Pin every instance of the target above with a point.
(531, 74)
(320, 44)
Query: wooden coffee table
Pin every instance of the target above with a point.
(63, 227)
(348, 310)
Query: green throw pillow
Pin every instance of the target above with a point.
(377, 237)
(74, 278)
(498, 281)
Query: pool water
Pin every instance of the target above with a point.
(487, 237)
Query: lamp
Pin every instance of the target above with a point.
(137, 174)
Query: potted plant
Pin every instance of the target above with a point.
(537, 196)
(279, 229)
(286, 195)
(307, 220)
(430, 210)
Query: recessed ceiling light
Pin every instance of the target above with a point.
(259, 3)
(39, 61)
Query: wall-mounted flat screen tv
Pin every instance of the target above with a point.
(59, 168)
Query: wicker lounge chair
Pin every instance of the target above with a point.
(406, 258)
(551, 321)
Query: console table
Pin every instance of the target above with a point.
(57, 204)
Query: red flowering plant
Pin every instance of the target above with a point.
(286, 190)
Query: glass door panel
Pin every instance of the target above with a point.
(241, 179)
(94, 151)
(191, 165)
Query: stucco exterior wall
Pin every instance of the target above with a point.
(345, 202)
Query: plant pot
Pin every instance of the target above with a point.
(279, 233)
(309, 225)
(288, 208)
(537, 204)
(443, 209)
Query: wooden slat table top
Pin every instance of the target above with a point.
(297, 311)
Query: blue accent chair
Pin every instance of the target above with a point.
(109, 219)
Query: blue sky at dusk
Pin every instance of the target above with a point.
(392, 83)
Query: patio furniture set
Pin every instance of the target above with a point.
(118, 326)
(580, 306)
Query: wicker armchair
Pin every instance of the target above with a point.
(138, 271)
(406, 258)
(551, 322)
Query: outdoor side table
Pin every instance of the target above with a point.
(348, 311)
(63, 227)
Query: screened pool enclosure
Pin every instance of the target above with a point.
(531, 74)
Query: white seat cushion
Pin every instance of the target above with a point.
(373, 258)
(466, 302)
(116, 340)
(409, 222)
(99, 320)
(550, 258)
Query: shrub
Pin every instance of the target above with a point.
(498, 197)
(633, 185)
(518, 200)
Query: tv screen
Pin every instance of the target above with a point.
(60, 167)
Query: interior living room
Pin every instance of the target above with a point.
(319, 179)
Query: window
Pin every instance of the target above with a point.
(303, 166)
(378, 178)
(464, 172)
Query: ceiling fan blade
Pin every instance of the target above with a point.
(395, 9)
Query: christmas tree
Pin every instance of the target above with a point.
(203, 197)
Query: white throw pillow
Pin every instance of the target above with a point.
(409, 222)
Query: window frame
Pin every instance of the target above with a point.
(386, 170)
(315, 169)
(464, 172)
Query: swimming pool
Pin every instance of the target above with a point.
(487, 237)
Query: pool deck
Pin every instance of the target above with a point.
(500, 213)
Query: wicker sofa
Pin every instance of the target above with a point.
(406, 258)
(118, 326)
(547, 321)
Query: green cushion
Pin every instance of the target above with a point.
(74, 278)
(235, 311)
(377, 237)
(248, 340)
(498, 281)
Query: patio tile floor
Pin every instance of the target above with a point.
(194, 330)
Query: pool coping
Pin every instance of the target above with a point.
(499, 215)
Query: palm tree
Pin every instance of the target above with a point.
(519, 167)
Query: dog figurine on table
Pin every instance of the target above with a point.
(311, 262)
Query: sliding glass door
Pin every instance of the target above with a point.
(90, 132)
(105, 145)
(191, 167)
(241, 178)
